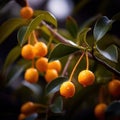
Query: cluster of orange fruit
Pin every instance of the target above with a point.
(39, 50)
(113, 89)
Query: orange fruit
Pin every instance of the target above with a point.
(99, 110)
(41, 49)
(22, 116)
(67, 89)
(42, 64)
(50, 75)
(55, 65)
(86, 77)
(26, 12)
(31, 75)
(114, 87)
(27, 52)
(28, 108)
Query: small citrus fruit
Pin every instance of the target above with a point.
(55, 65)
(99, 110)
(114, 87)
(67, 89)
(42, 64)
(22, 116)
(50, 75)
(40, 49)
(26, 12)
(31, 75)
(27, 52)
(86, 77)
(28, 108)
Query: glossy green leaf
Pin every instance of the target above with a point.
(101, 27)
(9, 26)
(82, 37)
(62, 50)
(54, 85)
(72, 26)
(113, 109)
(11, 57)
(57, 105)
(110, 53)
(36, 21)
(113, 66)
(21, 34)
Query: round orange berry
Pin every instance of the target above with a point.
(28, 108)
(99, 110)
(22, 116)
(26, 12)
(50, 75)
(55, 65)
(67, 89)
(31, 75)
(40, 49)
(42, 64)
(114, 87)
(27, 52)
(86, 77)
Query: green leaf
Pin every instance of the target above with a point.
(12, 56)
(36, 21)
(113, 109)
(113, 66)
(82, 37)
(110, 53)
(9, 26)
(21, 34)
(72, 26)
(54, 85)
(62, 50)
(101, 27)
(57, 105)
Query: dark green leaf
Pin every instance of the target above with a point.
(72, 26)
(21, 34)
(57, 105)
(113, 109)
(9, 26)
(36, 21)
(113, 66)
(12, 56)
(101, 27)
(110, 53)
(62, 50)
(82, 37)
(54, 86)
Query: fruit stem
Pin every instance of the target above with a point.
(70, 79)
(87, 61)
(34, 36)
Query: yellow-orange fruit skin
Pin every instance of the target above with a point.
(114, 87)
(99, 110)
(86, 78)
(67, 89)
(27, 52)
(31, 75)
(50, 75)
(41, 49)
(42, 64)
(26, 12)
(55, 65)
